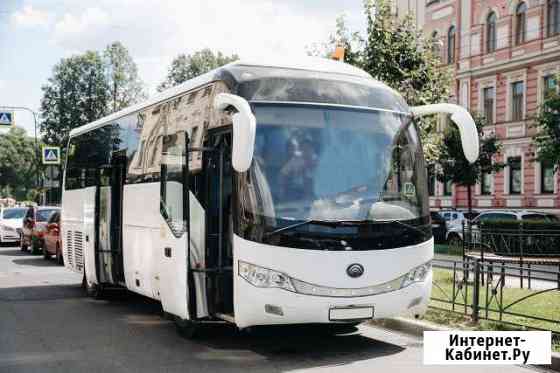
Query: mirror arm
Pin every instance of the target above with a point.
(464, 121)
(244, 128)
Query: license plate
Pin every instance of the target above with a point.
(435, 225)
(351, 313)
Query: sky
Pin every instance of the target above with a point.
(36, 34)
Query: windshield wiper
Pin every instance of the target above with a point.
(409, 226)
(329, 223)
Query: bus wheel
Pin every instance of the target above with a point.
(186, 328)
(59, 257)
(92, 290)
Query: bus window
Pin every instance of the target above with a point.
(172, 171)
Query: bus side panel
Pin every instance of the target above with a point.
(77, 229)
(142, 246)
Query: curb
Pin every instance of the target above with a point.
(417, 328)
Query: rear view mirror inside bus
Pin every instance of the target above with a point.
(244, 127)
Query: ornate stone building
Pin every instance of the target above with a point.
(504, 55)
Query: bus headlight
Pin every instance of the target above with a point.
(264, 277)
(417, 274)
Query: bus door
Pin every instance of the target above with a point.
(216, 194)
(108, 221)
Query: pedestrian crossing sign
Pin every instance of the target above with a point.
(6, 118)
(51, 155)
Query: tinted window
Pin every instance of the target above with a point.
(89, 151)
(44, 215)
(55, 218)
(17, 213)
(497, 216)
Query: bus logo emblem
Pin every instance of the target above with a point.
(355, 270)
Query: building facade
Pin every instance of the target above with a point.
(504, 56)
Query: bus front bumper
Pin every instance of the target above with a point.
(273, 306)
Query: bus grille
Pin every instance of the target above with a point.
(79, 249)
(69, 249)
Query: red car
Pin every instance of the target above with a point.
(52, 239)
(35, 226)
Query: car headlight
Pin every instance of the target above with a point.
(268, 278)
(263, 277)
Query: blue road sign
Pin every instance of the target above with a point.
(6, 118)
(51, 155)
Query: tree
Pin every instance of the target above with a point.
(454, 166)
(396, 53)
(18, 163)
(547, 123)
(76, 94)
(126, 87)
(352, 42)
(185, 67)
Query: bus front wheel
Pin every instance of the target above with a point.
(186, 328)
(92, 290)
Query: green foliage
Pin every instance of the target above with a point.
(126, 87)
(185, 67)
(352, 42)
(399, 55)
(396, 53)
(547, 140)
(76, 94)
(18, 164)
(456, 168)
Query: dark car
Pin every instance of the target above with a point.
(53, 242)
(35, 227)
(439, 228)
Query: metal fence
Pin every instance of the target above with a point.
(488, 290)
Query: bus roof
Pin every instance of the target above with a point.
(314, 64)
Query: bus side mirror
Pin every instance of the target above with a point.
(464, 121)
(244, 128)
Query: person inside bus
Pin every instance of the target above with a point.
(296, 175)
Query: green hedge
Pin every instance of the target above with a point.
(527, 238)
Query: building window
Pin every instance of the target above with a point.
(547, 178)
(491, 32)
(515, 177)
(520, 23)
(436, 44)
(448, 188)
(431, 180)
(486, 184)
(517, 101)
(451, 45)
(549, 86)
(488, 97)
(553, 17)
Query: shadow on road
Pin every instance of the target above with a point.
(129, 330)
(37, 262)
(40, 293)
(14, 252)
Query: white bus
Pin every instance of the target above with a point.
(258, 194)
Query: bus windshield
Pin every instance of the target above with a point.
(333, 163)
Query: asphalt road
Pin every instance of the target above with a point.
(48, 325)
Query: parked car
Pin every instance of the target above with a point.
(455, 219)
(438, 227)
(52, 239)
(455, 233)
(35, 227)
(11, 222)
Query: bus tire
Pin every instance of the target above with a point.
(92, 290)
(186, 328)
(59, 257)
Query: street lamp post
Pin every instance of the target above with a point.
(35, 126)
